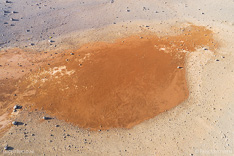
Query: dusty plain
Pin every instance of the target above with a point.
(35, 33)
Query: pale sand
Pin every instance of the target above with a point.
(200, 126)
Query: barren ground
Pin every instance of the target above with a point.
(97, 73)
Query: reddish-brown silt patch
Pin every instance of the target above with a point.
(116, 85)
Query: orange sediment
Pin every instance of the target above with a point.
(110, 85)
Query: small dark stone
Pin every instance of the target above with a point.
(6, 147)
(6, 12)
(17, 107)
(14, 123)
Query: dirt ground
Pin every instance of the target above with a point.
(107, 85)
(148, 78)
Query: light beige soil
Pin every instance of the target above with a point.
(202, 125)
